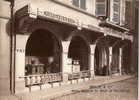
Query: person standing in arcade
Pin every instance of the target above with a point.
(50, 67)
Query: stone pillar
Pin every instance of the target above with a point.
(20, 54)
(20, 62)
(4, 55)
(120, 61)
(92, 60)
(110, 60)
(65, 66)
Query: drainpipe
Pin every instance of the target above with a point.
(12, 49)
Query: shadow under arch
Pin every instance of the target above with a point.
(101, 61)
(79, 50)
(42, 49)
(115, 59)
(127, 67)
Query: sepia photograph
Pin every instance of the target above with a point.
(69, 49)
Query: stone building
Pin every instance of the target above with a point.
(77, 39)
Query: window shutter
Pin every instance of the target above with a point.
(83, 4)
(76, 3)
(116, 11)
(128, 14)
(101, 6)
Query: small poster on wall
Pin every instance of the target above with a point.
(75, 66)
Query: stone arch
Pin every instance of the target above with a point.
(43, 47)
(39, 24)
(79, 49)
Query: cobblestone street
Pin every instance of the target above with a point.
(123, 90)
(100, 88)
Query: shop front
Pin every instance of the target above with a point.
(55, 48)
(48, 53)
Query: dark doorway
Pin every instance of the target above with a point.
(101, 61)
(96, 61)
(126, 59)
(43, 53)
(115, 60)
(79, 51)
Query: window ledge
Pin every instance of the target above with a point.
(112, 25)
(75, 8)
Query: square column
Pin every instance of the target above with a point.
(92, 60)
(110, 60)
(5, 74)
(65, 66)
(20, 63)
(20, 55)
(120, 61)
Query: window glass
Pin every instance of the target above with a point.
(101, 7)
(128, 14)
(116, 11)
(116, 1)
(116, 17)
(100, 0)
(116, 7)
(76, 3)
(80, 3)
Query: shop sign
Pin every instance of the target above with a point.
(56, 17)
(36, 12)
(61, 18)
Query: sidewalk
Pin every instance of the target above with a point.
(49, 93)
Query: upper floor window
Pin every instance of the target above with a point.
(108, 9)
(80, 3)
(101, 7)
(116, 11)
(128, 14)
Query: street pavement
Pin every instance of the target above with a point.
(123, 90)
(83, 90)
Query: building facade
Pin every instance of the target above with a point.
(43, 42)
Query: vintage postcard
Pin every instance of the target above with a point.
(69, 49)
